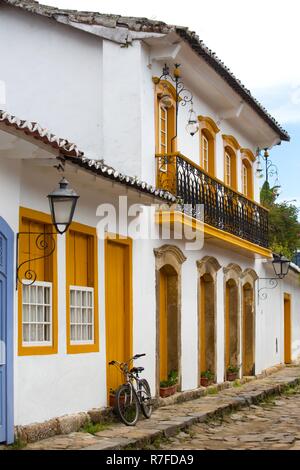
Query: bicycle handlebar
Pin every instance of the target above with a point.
(137, 356)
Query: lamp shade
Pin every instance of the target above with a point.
(281, 266)
(192, 126)
(62, 203)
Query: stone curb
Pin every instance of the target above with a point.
(165, 429)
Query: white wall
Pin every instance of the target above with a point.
(49, 386)
(95, 93)
(52, 74)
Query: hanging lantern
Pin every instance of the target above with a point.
(62, 203)
(192, 126)
(281, 265)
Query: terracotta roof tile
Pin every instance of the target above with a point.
(73, 155)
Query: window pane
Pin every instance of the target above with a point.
(40, 295)
(40, 313)
(33, 314)
(32, 295)
(25, 313)
(36, 311)
(33, 333)
(25, 294)
(40, 332)
(81, 315)
(47, 295)
(47, 329)
(25, 333)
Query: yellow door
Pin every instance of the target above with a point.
(227, 327)
(118, 307)
(163, 327)
(202, 327)
(287, 330)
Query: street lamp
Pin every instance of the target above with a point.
(182, 95)
(192, 126)
(281, 266)
(271, 170)
(62, 202)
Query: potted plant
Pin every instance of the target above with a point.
(112, 398)
(168, 387)
(232, 373)
(207, 378)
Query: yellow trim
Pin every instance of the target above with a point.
(248, 153)
(208, 123)
(287, 329)
(245, 162)
(208, 129)
(159, 90)
(36, 216)
(173, 217)
(82, 348)
(231, 141)
(126, 241)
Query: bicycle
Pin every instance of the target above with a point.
(131, 398)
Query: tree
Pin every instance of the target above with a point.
(284, 227)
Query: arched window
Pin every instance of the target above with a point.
(231, 146)
(165, 115)
(208, 131)
(247, 172)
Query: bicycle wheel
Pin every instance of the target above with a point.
(145, 398)
(127, 405)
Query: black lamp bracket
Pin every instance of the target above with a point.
(45, 244)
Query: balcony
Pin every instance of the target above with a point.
(226, 210)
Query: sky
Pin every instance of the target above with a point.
(258, 40)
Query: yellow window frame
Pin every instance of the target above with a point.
(82, 348)
(39, 217)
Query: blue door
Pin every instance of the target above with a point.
(6, 332)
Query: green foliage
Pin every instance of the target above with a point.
(284, 227)
(93, 428)
(208, 374)
(212, 391)
(17, 445)
(172, 380)
(232, 369)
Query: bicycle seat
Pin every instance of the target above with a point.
(137, 370)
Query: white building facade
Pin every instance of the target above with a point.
(95, 79)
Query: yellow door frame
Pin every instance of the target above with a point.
(127, 242)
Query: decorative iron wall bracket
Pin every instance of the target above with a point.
(45, 244)
(272, 284)
(182, 94)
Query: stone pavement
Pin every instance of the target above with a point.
(274, 425)
(210, 422)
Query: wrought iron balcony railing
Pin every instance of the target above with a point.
(224, 208)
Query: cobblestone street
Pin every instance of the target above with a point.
(272, 425)
(261, 414)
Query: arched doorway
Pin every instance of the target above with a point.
(207, 325)
(168, 261)
(248, 279)
(231, 325)
(207, 274)
(168, 322)
(248, 334)
(232, 275)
